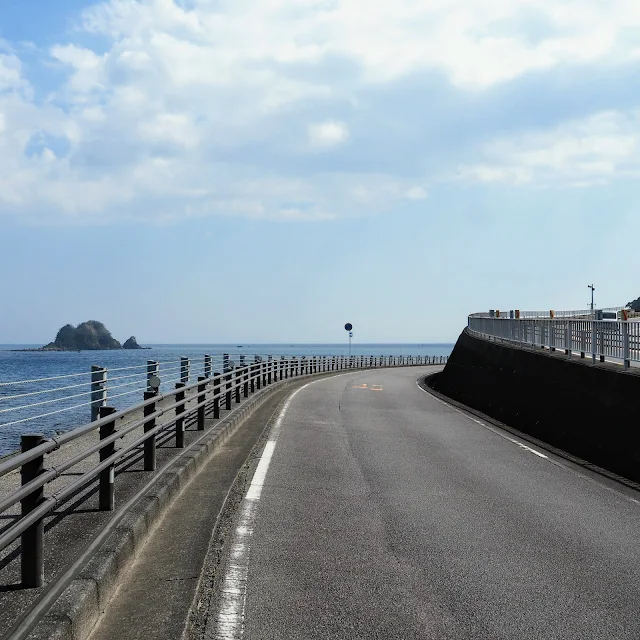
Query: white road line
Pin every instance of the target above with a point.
(557, 463)
(486, 426)
(233, 594)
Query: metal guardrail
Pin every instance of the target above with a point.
(518, 315)
(602, 339)
(187, 403)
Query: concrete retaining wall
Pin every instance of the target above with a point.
(590, 412)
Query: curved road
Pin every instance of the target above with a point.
(385, 513)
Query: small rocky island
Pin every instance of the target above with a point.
(87, 336)
(132, 343)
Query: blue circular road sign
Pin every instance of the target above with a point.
(348, 326)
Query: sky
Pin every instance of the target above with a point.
(206, 171)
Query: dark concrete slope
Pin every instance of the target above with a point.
(588, 411)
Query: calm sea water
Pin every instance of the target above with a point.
(58, 411)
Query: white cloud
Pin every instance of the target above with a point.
(590, 150)
(323, 135)
(416, 193)
(10, 72)
(217, 108)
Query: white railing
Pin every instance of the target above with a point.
(603, 340)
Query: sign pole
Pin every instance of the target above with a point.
(348, 327)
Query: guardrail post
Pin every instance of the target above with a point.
(626, 355)
(217, 383)
(98, 390)
(269, 369)
(31, 540)
(106, 491)
(238, 378)
(225, 363)
(245, 377)
(202, 395)
(258, 374)
(184, 370)
(594, 339)
(263, 370)
(291, 366)
(252, 377)
(153, 368)
(227, 397)
(179, 419)
(567, 339)
(150, 442)
(207, 365)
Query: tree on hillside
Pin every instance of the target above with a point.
(635, 305)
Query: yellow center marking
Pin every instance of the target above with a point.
(360, 386)
(377, 387)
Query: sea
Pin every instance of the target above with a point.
(48, 392)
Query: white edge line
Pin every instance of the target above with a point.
(230, 618)
(556, 463)
(486, 426)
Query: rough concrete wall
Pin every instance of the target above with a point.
(588, 411)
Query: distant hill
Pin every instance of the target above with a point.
(91, 335)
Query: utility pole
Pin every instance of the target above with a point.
(592, 290)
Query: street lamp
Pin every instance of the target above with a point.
(592, 290)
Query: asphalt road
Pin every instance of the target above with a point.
(387, 514)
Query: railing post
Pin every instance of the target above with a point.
(567, 338)
(291, 366)
(98, 390)
(31, 540)
(106, 497)
(153, 368)
(202, 395)
(594, 345)
(283, 368)
(238, 378)
(184, 370)
(150, 442)
(269, 368)
(626, 355)
(245, 377)
(263, 370)
(207, 365)
(179, 419)
(252, 377)
(217, 384)
(258, 376)
(225, 363)
(227, 397)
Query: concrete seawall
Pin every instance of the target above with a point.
(590, 412)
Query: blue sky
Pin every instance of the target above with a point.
(266, 170)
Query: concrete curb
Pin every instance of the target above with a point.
(75, 612)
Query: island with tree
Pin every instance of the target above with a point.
(87, 336)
